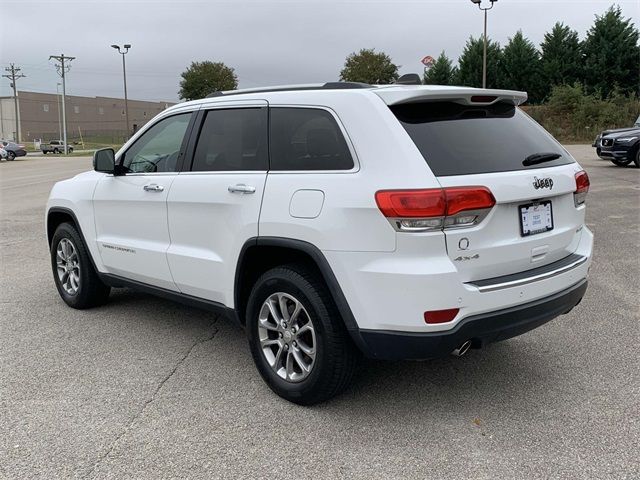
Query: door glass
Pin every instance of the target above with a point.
(158, 148)
(232, 140)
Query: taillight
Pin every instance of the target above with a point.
(582, 188)
(435, 208)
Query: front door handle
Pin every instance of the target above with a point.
(152, 187)
(242, 188)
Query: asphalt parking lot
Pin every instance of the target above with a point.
(144, 388)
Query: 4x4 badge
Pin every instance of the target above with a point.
(542, 183)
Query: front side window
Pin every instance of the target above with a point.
(158, 148)
(232, 140)
(307, 139)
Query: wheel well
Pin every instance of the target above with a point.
(258, 259)
(54, 219)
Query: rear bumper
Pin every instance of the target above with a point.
(480, 329)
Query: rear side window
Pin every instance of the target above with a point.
(462, 140)
(232, 140)
(307, 139)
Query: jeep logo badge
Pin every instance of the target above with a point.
(539, 183)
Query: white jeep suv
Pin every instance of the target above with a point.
(398, 222)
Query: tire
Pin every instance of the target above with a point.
(621, 162)
(55, 150)
(69, 150)
(87, 290)
(45, 152)
(637, 159)
(335, 357)
(11, 156)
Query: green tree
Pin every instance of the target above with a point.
(470, 63)
(561, 59)
(520, 67)
(204, 78)
(369, 66)
(442, 72)
(612, 54)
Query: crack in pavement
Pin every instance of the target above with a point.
(210, 336)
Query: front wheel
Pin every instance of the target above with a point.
(297, 338)
(637, 159)
(69, 150)
(76, 280)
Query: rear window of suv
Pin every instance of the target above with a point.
(459, 139)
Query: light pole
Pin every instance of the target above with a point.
(123, 52)
(59, 111)
(484, 55)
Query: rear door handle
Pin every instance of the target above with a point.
(152, 187)
(242, 188)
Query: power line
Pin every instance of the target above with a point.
(62, 71)
(13, 76)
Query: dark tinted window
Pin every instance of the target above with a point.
(158, 148)
(460, 139)
(232, 139)
(307, 139)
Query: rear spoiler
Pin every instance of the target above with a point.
(461, 95)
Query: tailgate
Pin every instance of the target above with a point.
(502, 243)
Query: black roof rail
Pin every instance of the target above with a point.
(345, 85)
(326, 86)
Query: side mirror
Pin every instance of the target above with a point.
(104, 160)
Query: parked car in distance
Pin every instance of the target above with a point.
(55, 146)
(13, 149)
(621, 145)
(333, 221)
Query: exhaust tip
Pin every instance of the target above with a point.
(462, 349)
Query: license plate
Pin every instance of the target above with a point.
(536, 218)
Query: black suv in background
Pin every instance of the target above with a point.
(621, 146)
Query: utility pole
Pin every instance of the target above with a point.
(59, 111)
(13, 75)
(62, 70)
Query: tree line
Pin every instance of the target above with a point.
(605, 62)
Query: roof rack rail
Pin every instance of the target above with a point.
(293, 88)
(345, 85)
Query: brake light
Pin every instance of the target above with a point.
(411, 203)
(428, 209)
(483, 98)
(582, 188)
(460, 199)
(441, 316)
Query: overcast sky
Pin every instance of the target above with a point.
(268, 42)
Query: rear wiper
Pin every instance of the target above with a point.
(537, 158)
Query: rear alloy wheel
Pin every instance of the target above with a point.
(76, 280)
(11, 156)
(287, 337)
(297, 337)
